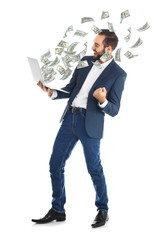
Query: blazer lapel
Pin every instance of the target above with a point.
(84, 73)
(102, 75)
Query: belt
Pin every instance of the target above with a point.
(77, 110)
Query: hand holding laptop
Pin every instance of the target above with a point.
(45, 89)
(36, 72)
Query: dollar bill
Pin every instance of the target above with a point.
(45, 60)
(127, 38)
(87, 19)
(72, 46)
(80, 33)
(105, 57)
(70, 53)
(97, 64)
(82, 64)
(69, 29)
(83, 52)
(95, 29)
(124, 15)
(144, 27)
(53, 63)
(60, 69)
(45, 70)
(110, 27)
(67, 73)
(129, 55)
(58, 51)
(63, 44)
(45, 56)
(118, 55)
(66, 61)
(76, 58)
(85, 44)
(138, 43)
(48, 78)
(48, 75)
(67, 58)
(105, 15)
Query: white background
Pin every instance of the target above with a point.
(30, 120)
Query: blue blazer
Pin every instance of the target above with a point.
(112, 78)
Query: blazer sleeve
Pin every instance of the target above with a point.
(114, 96)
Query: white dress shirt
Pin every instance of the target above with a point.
(81, 98)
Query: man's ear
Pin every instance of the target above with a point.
(109, 49)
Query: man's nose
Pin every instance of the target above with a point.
(93, 47)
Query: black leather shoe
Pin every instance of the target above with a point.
(100, 220)
(50, 216)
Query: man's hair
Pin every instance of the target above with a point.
(111, 38)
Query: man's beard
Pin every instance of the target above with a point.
(99, 55)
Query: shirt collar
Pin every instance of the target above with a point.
(105, 64)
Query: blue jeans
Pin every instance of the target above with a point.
(72, 130)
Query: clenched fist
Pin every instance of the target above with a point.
(100, 94)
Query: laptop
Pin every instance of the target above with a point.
(35, 69)
(36, 72)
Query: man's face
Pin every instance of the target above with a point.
(98, 46)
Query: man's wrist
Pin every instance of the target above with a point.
(102, 105)
(102, 100)
(50, 94)
(54, 94)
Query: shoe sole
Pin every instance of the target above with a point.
(100, 225)
(60, 219)
(44, 222)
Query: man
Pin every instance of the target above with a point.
(92, 92)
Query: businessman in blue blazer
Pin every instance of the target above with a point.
(91, 93)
